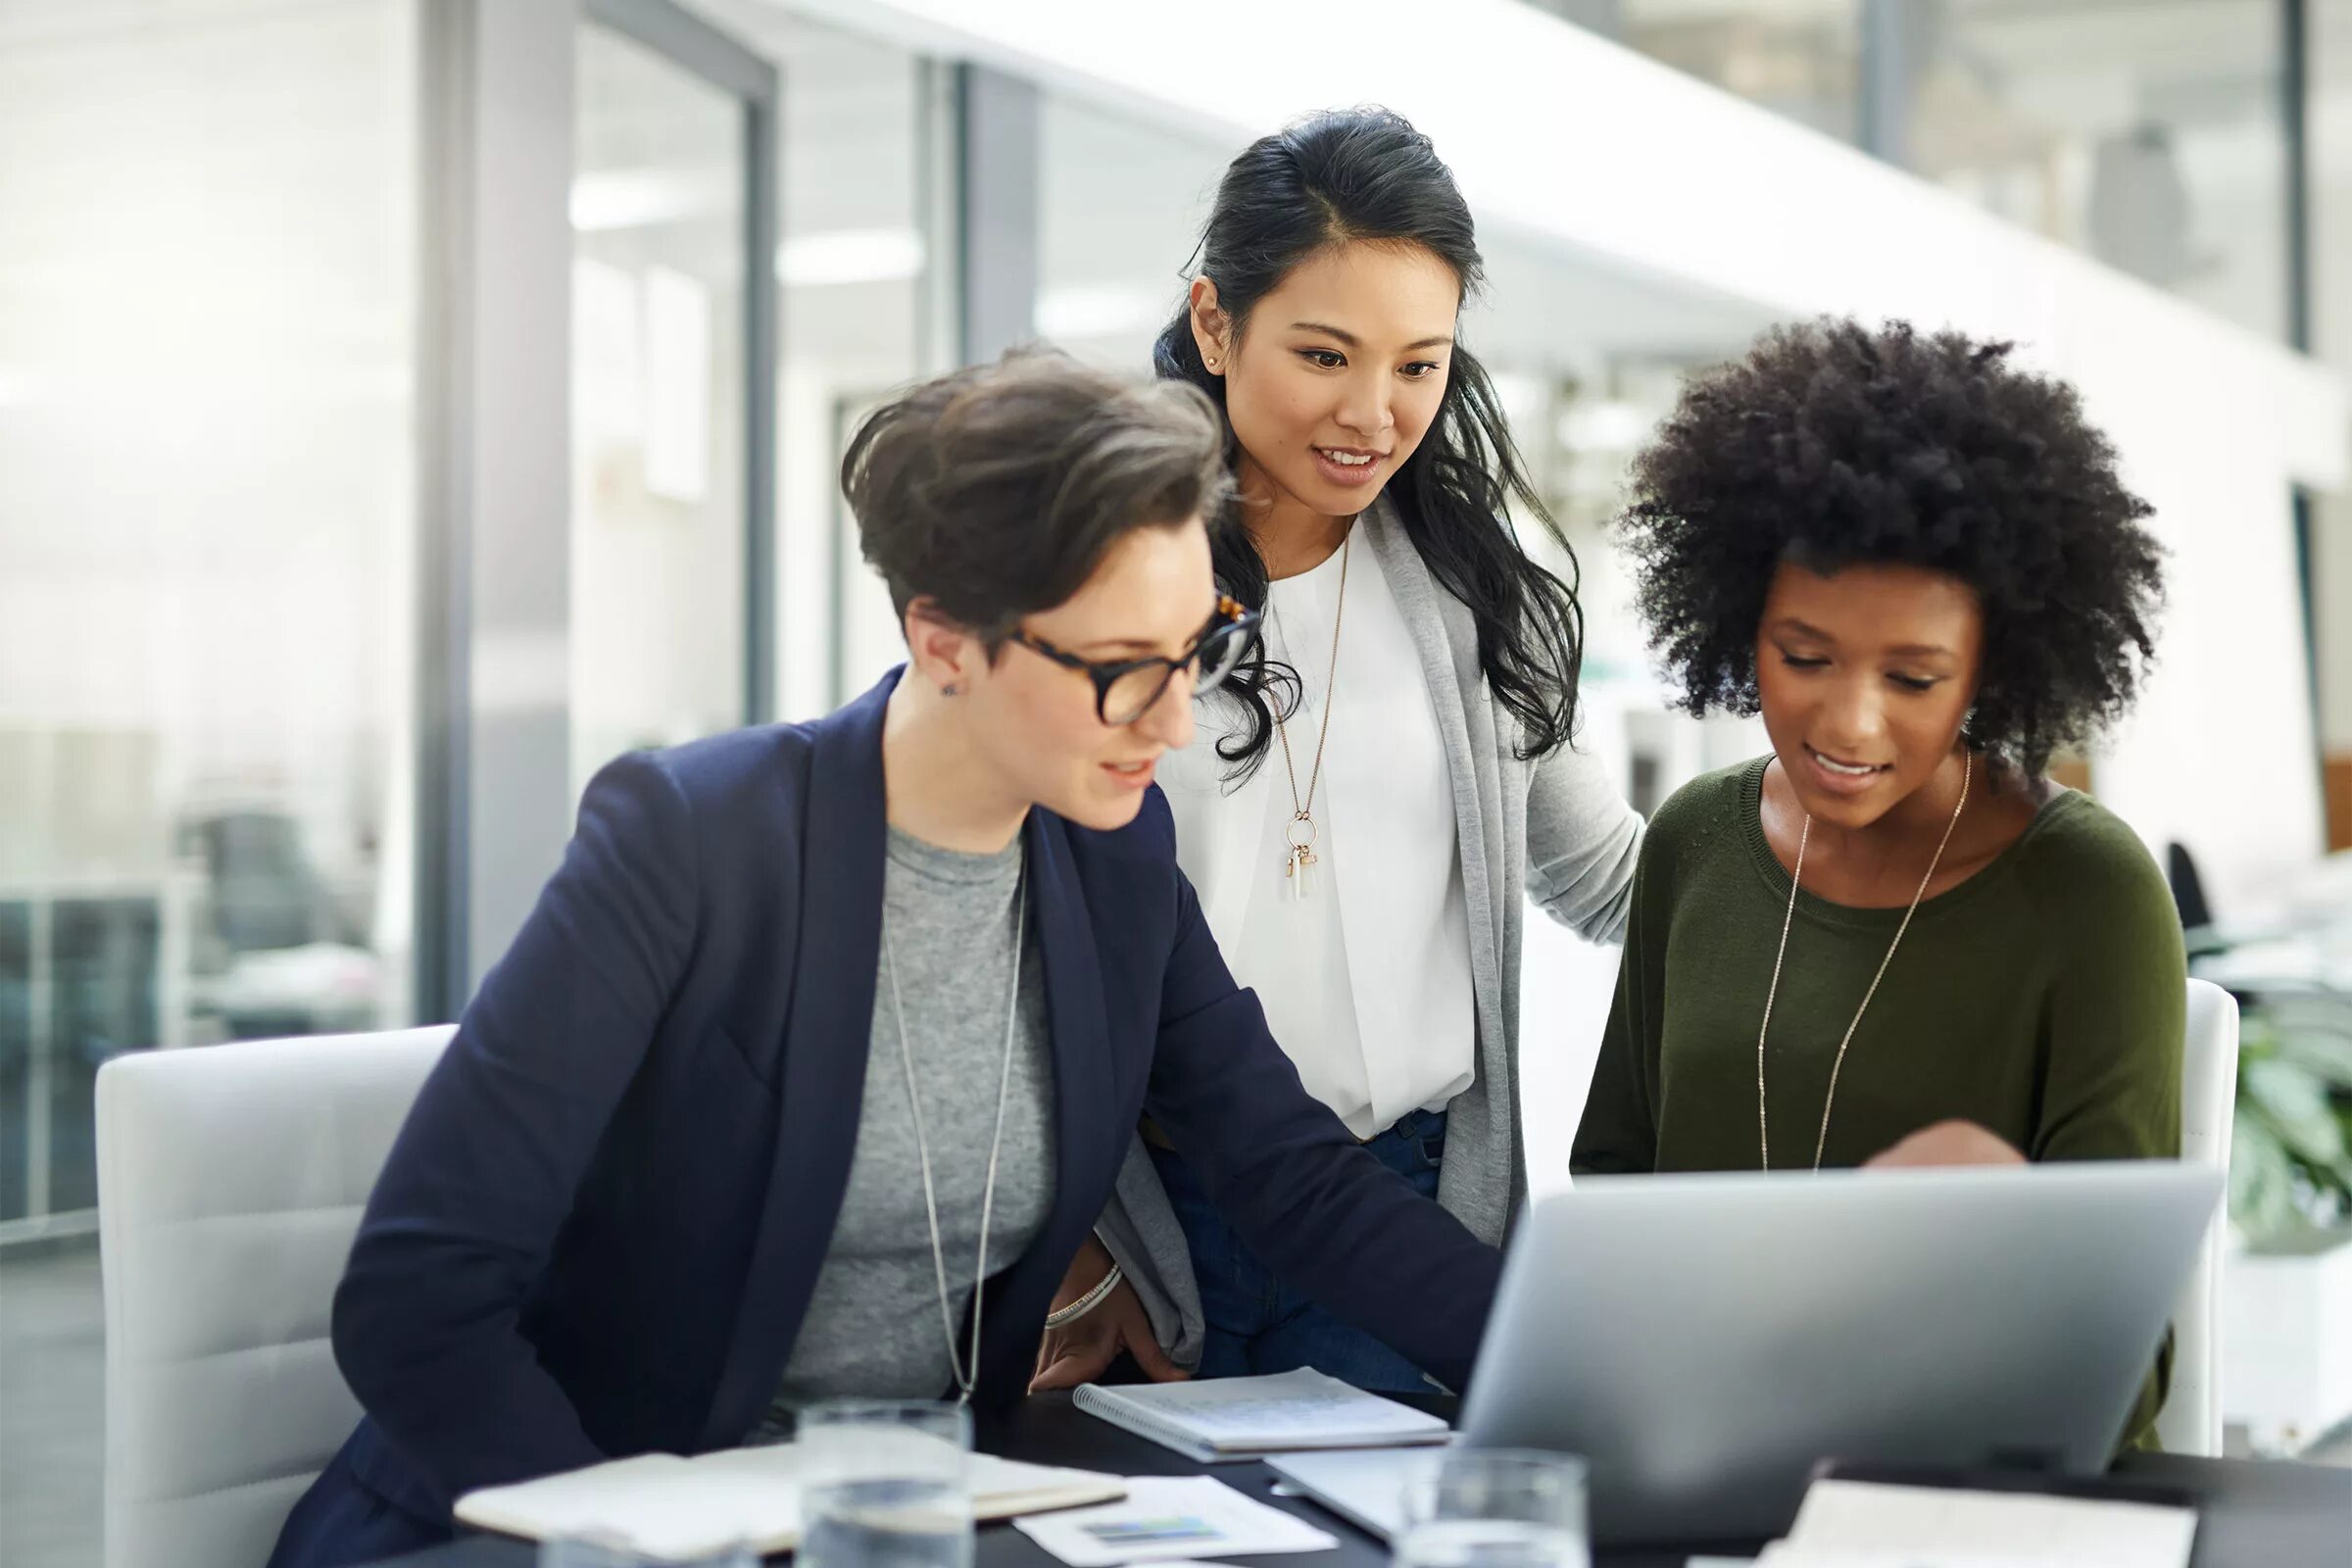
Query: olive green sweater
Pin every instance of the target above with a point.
(2043, 998)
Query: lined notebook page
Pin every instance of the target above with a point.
(1865, 1522)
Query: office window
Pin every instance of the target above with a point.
(866, 268)
(1120, 205)
(206, 532)
(1798, 57)
(2148, 135)
(206, 603)
(658, 525)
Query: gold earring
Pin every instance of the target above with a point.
(1212, 364)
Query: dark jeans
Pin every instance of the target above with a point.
(1255, 1323)
(341, 1522)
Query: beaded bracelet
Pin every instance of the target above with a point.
(1085, 1304)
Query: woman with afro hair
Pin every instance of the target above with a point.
(1892, 939)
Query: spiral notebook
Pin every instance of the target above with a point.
(1219, 1419)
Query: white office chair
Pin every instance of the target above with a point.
(2191, 1419)
(230, 1180)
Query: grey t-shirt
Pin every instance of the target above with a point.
(873, 1328)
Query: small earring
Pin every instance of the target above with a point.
(1210, 364)
(951, 689)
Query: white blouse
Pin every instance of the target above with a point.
(1365, 982)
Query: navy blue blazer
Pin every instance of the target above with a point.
(599, 1227)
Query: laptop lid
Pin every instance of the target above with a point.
(1702, 1340)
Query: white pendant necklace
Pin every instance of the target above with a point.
(1300, 833)
(967, 1373)
(1820, 1143)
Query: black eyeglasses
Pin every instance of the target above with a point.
(1125, 689)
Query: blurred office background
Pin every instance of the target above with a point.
(406, 404)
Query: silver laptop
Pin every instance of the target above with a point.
(1703, 1341)
(1365, 1487)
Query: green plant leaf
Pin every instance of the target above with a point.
(2313, 1030)
(2296, 1105)
(2324, 1054)
(2292, 1165)
(2327, 1188)
(2261, 1178)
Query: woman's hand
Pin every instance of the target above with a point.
(1947, 1142)
(1081, 1350)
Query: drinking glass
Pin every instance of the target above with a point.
(601, 1552)
(887, 1484)
(1495, 1508)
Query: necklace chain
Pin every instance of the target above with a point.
(967, 1374)
(1301, 854)
(1796, 878)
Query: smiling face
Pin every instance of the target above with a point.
(1866, 675)
(1338, 374)
(1034, 722)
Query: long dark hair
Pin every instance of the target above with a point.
(1351, 174)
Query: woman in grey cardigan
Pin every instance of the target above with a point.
(1377, 794)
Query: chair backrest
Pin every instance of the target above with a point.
(230, 1181)
(2189, 888)
(2191, 1419)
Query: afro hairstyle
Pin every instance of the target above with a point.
(1834, 444)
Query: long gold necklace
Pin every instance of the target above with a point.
(1299, 856)
(1763, 1130)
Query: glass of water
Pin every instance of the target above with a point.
(599, 1552)
(887, 1484)
(1495, 1508)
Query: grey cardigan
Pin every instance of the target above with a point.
(1555, 829)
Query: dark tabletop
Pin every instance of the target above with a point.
(2268, 1514)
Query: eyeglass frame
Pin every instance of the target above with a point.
(1106, 673)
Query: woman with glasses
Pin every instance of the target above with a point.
(1376, 797)
(820, 1055)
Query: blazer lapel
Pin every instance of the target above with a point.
(827, 1031)
(1076, 1014)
